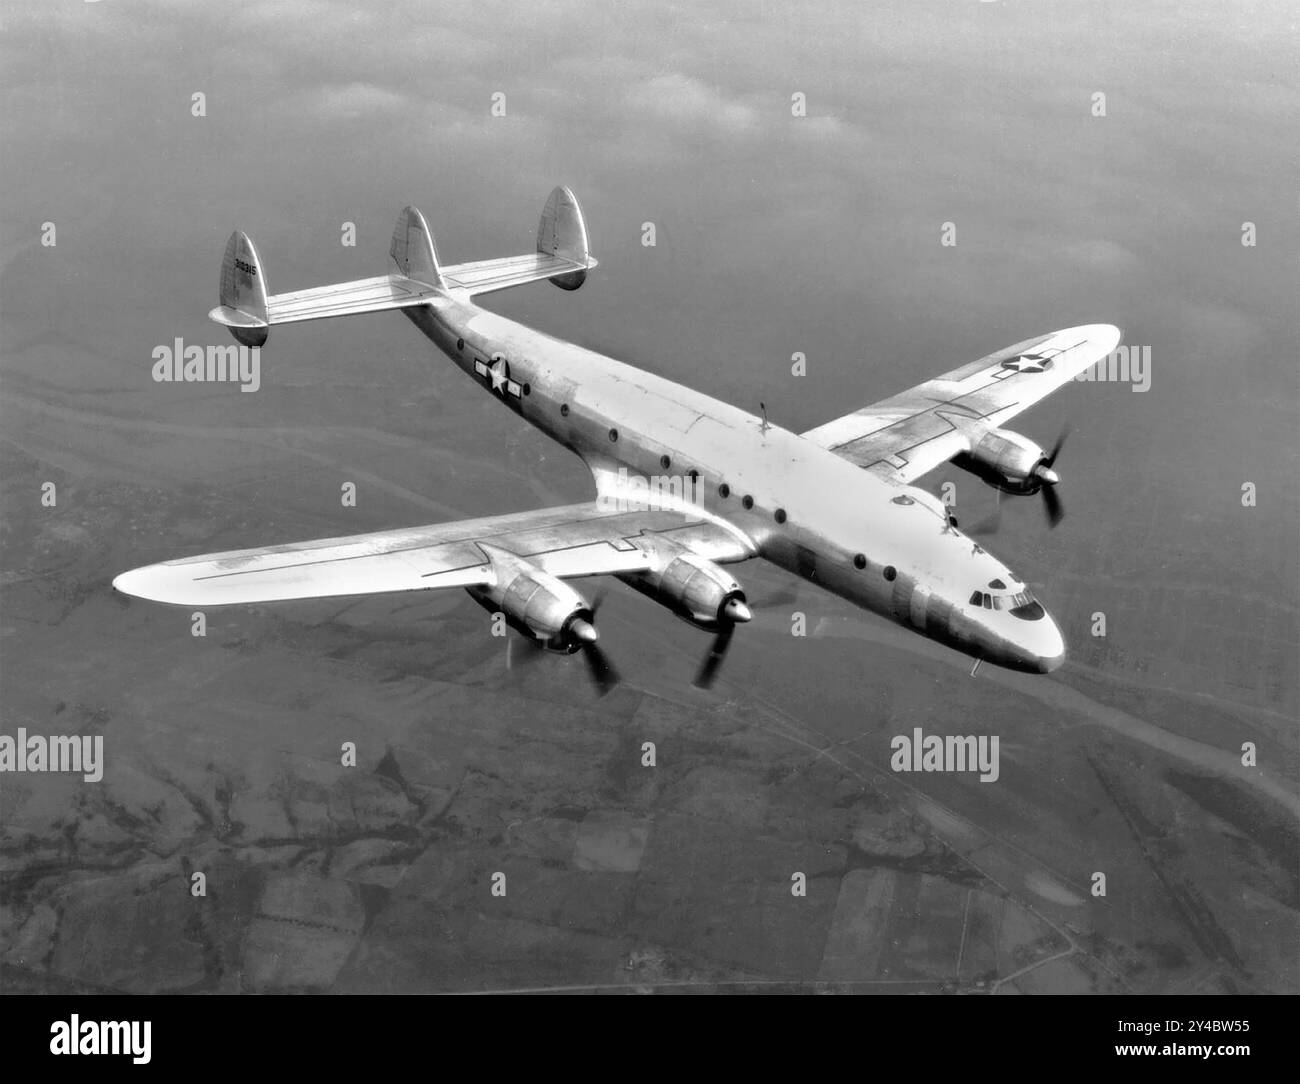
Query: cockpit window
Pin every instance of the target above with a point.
(1030, 611)
(997, 585)
(1020, 603)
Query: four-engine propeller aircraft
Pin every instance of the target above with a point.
(686, 485)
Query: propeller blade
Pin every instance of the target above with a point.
(1052, 503)
(1060, 443)
(713, 660)
(603, 674)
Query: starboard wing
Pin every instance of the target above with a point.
(910, 434)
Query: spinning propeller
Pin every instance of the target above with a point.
(580, 633)
(603, 674)
(734, 612)
(1049, 479)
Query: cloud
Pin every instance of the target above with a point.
(350, 101)
(690, 103)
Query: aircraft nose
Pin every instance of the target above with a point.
(1032, 645)
(1045, 647)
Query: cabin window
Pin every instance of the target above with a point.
(564, 410)
(528, 389)
(613, 435)
(665, 462)
(891, 573)
(747, 501)
(724, 491)
(460, 344)
(859, 560)
(779, 515)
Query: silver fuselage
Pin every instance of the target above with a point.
(884, 546)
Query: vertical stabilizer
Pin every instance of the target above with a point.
(243, 306)
(563, 232)
(412, 249)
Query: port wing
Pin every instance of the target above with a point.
(575, 540)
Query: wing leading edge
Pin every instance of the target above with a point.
(910, 434)
(575, 540)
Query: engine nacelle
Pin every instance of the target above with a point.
(695, 589)
(536, 603)
(1007, 461)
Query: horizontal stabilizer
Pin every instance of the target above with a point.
(246, 308)
(349, 299)
(485, 276)
(563, 254)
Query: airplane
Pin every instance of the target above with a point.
(686, 485)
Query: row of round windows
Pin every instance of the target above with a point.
(747, 502)
(724, 490)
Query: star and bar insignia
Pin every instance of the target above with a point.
(1030, 363)
(497, 373)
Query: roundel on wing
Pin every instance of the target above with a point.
(1028, 363)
